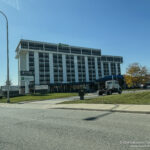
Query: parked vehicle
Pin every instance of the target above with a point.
(111, 86)
(1, 96)
(146, 86)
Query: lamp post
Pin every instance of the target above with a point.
(7, 82)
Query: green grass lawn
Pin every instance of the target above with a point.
(38, 97)
(126, 98)
(140, 89)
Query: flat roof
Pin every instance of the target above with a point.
(41, 42)
(66, 45)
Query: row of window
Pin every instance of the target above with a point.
(58, 71)
(70, 68)
(44, 67)
(102, 58)
(81, 68)
(59, 48)
(99, 67)
(31, 62)
(91, 66)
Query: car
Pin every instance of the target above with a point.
(146, 86)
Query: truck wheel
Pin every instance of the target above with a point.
(100, 93)
(109, 92)
(119, 92)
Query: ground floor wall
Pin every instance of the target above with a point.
(73, 87)
(88, 87)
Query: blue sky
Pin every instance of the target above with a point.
(118, 27)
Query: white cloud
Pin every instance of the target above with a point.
(13, 3)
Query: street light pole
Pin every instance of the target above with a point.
(7, 82)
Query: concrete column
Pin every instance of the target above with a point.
(76, 69)
(19, 78)
(64, 69)
(96, 68)
(26, 87)
(27, 61)
(51, 68)
(102, 69)
(36, 68)
(120, 68)
(109, 67)
(116, 69)
(86, 69)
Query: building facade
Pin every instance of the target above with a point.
(61, 66)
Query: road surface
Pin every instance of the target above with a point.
(55, 129)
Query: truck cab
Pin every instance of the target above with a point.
(111, 86)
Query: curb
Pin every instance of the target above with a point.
(121, 111)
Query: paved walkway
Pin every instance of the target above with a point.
(106, 107)
(43, 104)
(54, 104)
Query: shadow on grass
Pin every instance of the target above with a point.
(102, 115)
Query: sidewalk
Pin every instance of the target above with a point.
(106, 107)
(54, 104)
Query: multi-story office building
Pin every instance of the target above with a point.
(61, 66)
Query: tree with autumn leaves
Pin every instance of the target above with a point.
(136, 75)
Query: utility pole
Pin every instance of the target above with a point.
(8, 81)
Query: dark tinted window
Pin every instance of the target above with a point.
(96, 52)
(103, 58)
(50, 47)
(86, 51)
(36, 46)
(109, 58)
(24, 45)
(75, 50)
(64, 49)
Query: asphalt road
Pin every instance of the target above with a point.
(54, 129)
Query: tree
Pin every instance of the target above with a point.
(136, 75)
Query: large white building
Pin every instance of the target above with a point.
(61, 66)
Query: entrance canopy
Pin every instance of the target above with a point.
(114, 77)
